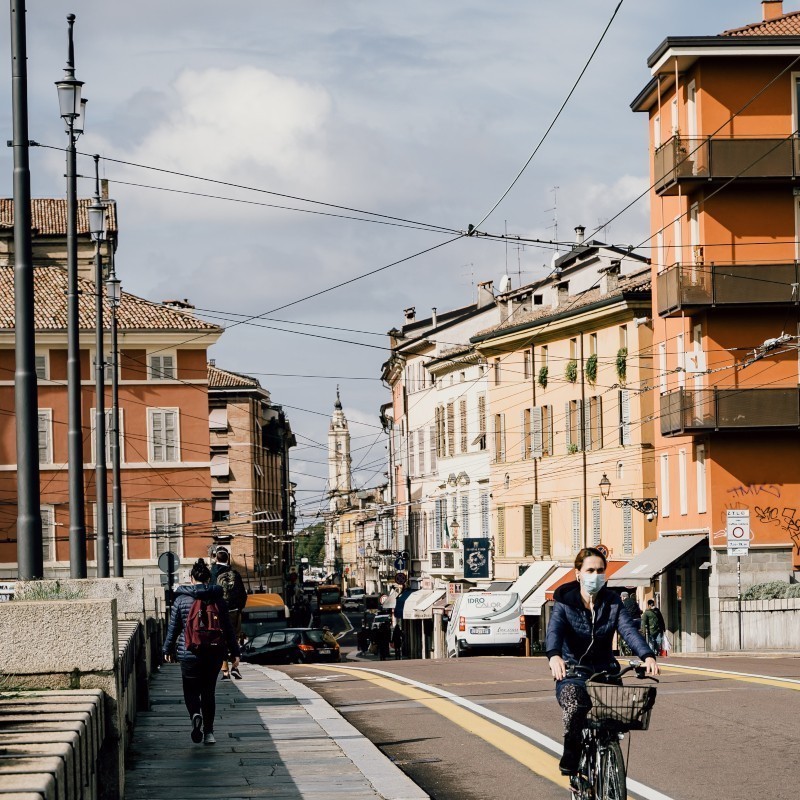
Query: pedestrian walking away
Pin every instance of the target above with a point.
(224, 575)
(397, 641)
(198, 635)
(653, 626)
(384, 637)
(585, 617)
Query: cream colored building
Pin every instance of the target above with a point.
(570, 400)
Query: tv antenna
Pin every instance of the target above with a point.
(554, 209)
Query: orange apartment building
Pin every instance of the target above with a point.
(723, 115)
(166, 482)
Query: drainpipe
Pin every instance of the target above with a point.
(583, 449)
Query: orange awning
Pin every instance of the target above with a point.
(568, 576)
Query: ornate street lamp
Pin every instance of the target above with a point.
(454, 527)
(646, 505)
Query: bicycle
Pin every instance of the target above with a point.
(617, 708)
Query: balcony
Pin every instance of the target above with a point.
(683, 163)
(447, 562)
(685, 287)
(697, 411)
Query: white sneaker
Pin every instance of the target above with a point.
(209, 739)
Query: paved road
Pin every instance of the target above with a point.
(713, 734)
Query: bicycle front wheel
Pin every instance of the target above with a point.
(612, 783)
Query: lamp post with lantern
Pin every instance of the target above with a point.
(72, 108)
(97, 229)
(114, 291)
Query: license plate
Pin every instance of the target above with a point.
(482, 629)
(324, 651)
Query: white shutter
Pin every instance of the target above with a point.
(433, 447)
(537, 529)
(485, 515)
(627, 531)
(41, 367)
(421, 451)
(587, 425)
(502, 437)
(45, 449)
(536, 437)
(625, 417)
(464, 516)
(597, 436)
(568, 423)
(576, 525)
(523, 440)
(595, 521)
(412, 460)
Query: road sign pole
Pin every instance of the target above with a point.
(739, 595)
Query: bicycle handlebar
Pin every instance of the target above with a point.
(634, 666)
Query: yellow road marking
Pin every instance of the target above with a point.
(733, 676)
(525, 753)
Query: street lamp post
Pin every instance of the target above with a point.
(97, 228)
(114, 297)
(71, 108)
(646, 505)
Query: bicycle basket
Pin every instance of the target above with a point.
(628, 707)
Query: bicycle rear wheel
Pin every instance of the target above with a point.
(612, 782)
(581, 784)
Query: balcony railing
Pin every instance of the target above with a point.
(682, 161)
(688, 411)
(687, 286)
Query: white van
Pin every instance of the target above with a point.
(483, 621)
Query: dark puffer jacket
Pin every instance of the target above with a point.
(580, 637)
(184, 598)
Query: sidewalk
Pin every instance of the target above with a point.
(276, 738)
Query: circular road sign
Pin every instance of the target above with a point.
(169, 562)
(400, 563)
(400, 578)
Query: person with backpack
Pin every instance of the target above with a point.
(653, 626)
(199, 635)
(235, 597)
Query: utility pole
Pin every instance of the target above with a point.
(115, 297)
(26, 400)
(97, 229)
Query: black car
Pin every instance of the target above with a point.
(292, 646)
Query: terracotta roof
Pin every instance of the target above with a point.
(49, 215)
(638, 282)
(50, 312)
(224, 379)
(785, 25)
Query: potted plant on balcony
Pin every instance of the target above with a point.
(622, 364)
(590, 369)
(571, 372)
(543, 377)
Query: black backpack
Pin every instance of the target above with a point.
(233, 589)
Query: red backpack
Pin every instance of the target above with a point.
(203, 633)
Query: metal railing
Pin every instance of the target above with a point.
(687, 411)
(684, 286)
(680, 159)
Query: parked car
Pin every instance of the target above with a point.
(292, 646)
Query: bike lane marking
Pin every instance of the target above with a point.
(468, 714)
(745, 677)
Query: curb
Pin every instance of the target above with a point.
(388, 780)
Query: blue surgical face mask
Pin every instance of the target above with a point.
(593, 582)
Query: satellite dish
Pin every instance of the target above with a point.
(505, 284)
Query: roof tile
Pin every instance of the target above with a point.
(224, 379)
(786, 25)
(49, 215)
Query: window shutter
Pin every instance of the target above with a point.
(587, 425)
(482, 414)
(501, 531)
(44, 439)
(412, 460)
(625, 417)
(421, 451)
(527, 546)
(462, 416)
(451, 429)
(627, 530)
(485, 515)
(536, 439)
(502, 437)
(595, 521)
(41, 368)
(47, 534)
(437, 524)
(170, 435)
(568, 423)
(576, 525)
(464, 516)
(536, 521)
(546, 530)
(433, 448)
(598, 422)
(523, 436)
(157, 438)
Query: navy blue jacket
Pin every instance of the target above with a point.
(580, 637)
(184, 599)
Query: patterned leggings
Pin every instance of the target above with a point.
(575, 704)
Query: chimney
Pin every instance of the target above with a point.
(562, 293)
(771, 9)
(411, 314)
(433, 317)
(212, 362)
(180, 305)
(609, 280)
(485, 294)
(580, 231)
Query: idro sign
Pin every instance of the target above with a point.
(738, 532)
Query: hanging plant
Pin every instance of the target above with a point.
(571, 372)
(622, 364)
(572, 448)
(543, 377)
(590, 369)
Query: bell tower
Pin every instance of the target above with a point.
(338, 455)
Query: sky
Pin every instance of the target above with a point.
(420, 111)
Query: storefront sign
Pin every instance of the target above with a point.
(476, 558)
(453, 591)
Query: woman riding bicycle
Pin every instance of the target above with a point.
(581, 632)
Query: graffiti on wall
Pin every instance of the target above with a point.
(764, 511)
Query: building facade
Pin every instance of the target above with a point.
(725, 213)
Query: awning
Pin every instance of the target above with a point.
(391, 600)
(218, 419)
(531, 578)
(400, 602)
(499, 586)
(654, 559)
(420, 604)
(220, 466)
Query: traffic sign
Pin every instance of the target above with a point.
(738, 532)
(400, 563)
(168, 562)
(400, 578)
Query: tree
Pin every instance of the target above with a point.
(310, 544)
